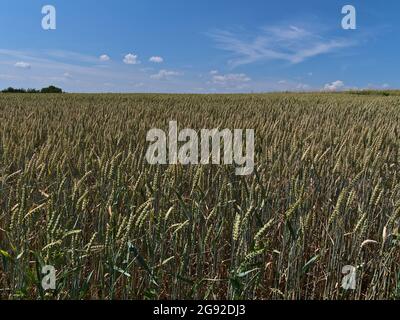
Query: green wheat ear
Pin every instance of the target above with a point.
(76, 192)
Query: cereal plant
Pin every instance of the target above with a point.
(77, 193)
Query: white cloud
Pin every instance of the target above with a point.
(334, 86)
(302, 87)
(104, 58)
(292, 85)
(213, 72)
(23, 65)
(164, 74)
(131, 59)
(230, 80)
(67, 75)
(87, 77)
(156, 59)
(291, 44)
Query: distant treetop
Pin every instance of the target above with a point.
(51, 89)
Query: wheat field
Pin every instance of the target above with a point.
(77, 193)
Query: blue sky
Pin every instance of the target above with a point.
(200, 46)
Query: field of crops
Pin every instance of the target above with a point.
(77, 193)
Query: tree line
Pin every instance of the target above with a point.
(50, 89)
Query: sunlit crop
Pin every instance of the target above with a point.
(77, 193)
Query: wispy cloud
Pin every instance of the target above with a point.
(74, 73)
(236, 80)
(23, 65)
(165, 75)
(67, 75)
(291, 44)
(70, 56)
(334, 86)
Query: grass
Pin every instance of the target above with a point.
(77, 193)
